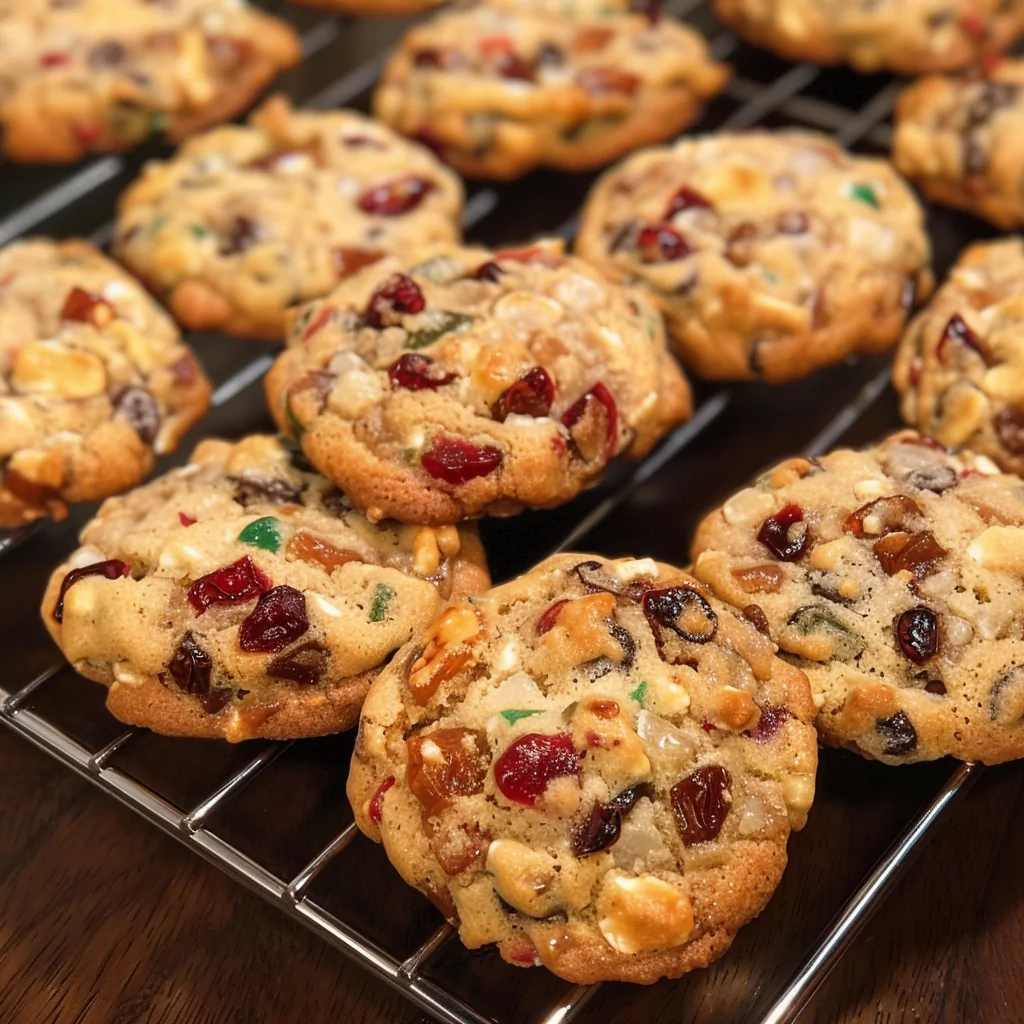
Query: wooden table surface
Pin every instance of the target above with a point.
(106, 920)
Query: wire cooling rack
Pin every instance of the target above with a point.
(274, 815)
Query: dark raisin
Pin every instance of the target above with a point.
(899, 734)
(107, 55)
(1009, 426)
(190, 669)
(303, 665)
(682, 610)
(334, 501)
(487, 271)
(917, 634)
(754, 614)
(394, 198)
(112, 569)
(531, 395)
(779, 537)
(595, 578)
(627, 643)
(549, 56)
(937, 478)
(1006, 702)
(250, 489)
(699, 804)
(661, 244)
(278, 619)
(936, 686)
(241, 234)
(241, 581)
(139, 408)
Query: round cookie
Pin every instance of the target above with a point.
(94, 380)
(100, 75)
(500, 90)
(224, 230)
(771, 254)
(960, 366)
(893, 578)
(596, 767)
(958, 139)
(475, 382)
(242, 596)
(908, 37)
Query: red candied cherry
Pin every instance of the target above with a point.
(278, 618)
(112, 569)
(413, 372)
(86, 307)
(529, 763)
(240, 581)
(550, 616)
(399, 295)
(396, 197)
(375, 810)
(598, 401)
(686, 198)
(917, 634)
(779, 537)
(956, 332)
(456, 461)
(661, 244)
(699, 804)
(531, 395)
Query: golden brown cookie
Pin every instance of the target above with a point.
(99, 75)
(94, 379)
(894, 577)
(596, 767)
(908, 37)
(226, 229)
(242, 596)
(475, 382)
(498, 90)
(771, 254)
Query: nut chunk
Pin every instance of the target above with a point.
(243, 596)
(475, 382)
(902, 602)
(596, 767)
(94, 380)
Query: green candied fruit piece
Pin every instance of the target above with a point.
(264, 534)
(446, 324)
(294, 423)
(639, 693)
(813, 618)
(382, 595)
(513, 715)
(200, 231)
(864, 193)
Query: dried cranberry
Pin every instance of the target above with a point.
(754, 614)
(772, 717)
(699, 806)
(917, 633)
(509, 65)
(454, 764)
(139, 408)
(529, 763)
(394, 198)
(112, 569)
(777, 536)
(957, 332)
(457, 462)
(185, 520)
(398, 296)
(241, 234)
(603, 80)
(413, 372)
(531, 395)
(583, 416)
(918, 553)
(303, 665)
(240, 581)
(278, 619)
(376, 806)
(547, 621)
(686, 198)
(487, 271)
(83, 307)
(347, 261)
(1009, 426)
(891, 514)
(899, 734)
(251, 489)
(682, 610)
(661, 244)
(55, 59)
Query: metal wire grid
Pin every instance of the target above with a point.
(783, 98)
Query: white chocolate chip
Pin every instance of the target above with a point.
(639, 915)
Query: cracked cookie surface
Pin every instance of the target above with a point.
(770, 254)
(893, 578)
(94, 379)
(475, 382)
(246, 221)
(595, 766)
(500, 90)
(101, 75)
(242, 596)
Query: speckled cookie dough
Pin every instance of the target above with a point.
(94, 380)
(596, 767)
(246, 221)
(959, 140)
(909, 37)
(894, 577)
(771, 254)
(99, 75)
(498, 90)
(242, 596)
(475, 382)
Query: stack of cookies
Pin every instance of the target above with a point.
(595, 767)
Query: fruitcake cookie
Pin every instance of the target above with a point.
(497, 91)
(242, 596)
(894, 577)
(771, 254)
(908, 37)
(94, 380)
(475, 383)
(246, 221)
(596, 766)
(957, 139)
(97, 75)
(960, 366)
